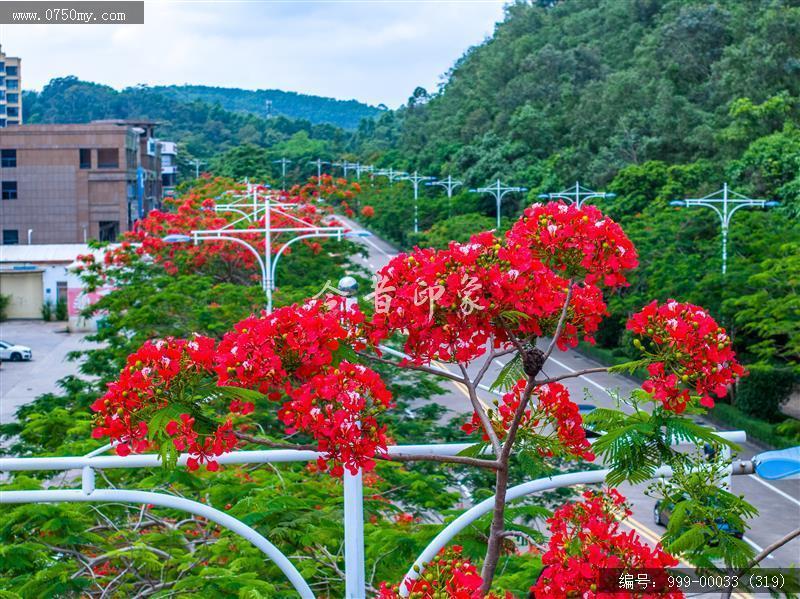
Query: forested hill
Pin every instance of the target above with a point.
(591, 86)
(204, 129)
(654, 100)
(316, 109)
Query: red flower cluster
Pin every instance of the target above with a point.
(339, 408)
(580, 242)
(144, 387)
(554, 412)
(564, 416)
(585, 541)
(452, 302)
(288, 355)
(449, 575)
(689, 351)
(367, 211)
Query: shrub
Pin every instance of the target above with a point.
(5, 300)
(61, 310)
(47, 311)
(764, 391)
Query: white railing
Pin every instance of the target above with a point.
(355, 583)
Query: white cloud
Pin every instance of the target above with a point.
(374, 51)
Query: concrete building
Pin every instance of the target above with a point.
(70, 183)
(10, 90)
(169, 167)
(37, 274)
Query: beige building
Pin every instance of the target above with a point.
(71, 183)
(10, 90)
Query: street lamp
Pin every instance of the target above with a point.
(577, 195)
(449, 184)
(319, 162)
(283, 162)
(196, 164)
(725, 203)
(346, 166)
(390, 173)
(778, 465)
(415, 179)
(498, 190)
(268, 263)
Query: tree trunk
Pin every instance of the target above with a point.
(496, 530)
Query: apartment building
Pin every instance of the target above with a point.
(169, 167)
(69, 183)
(10, 90)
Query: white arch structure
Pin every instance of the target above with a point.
(353, 506)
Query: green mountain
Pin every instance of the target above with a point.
(203, 129)
(651, 99)
(272, 102)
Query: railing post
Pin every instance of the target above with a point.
(355, 585)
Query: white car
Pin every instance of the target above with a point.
(15, 353)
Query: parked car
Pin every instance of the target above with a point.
(662, 511)
(14, 353)
(584, 409)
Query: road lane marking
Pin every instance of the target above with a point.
(568, 369)
(773, 488)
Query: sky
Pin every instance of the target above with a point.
(374, 51)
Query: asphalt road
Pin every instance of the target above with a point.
(778, 502)
(22, 382)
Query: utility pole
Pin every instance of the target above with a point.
(415, 179)
(283, 162)
(449, 185)
(498, 190)
(390, 173)
(577, 195)
(345, 166)
(319, 162)
(196, 163)
(725, 203)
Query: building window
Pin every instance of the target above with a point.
(13, 111)
(8, 158)
(12, 84)
(12, 98)
(13, 122)
(85, 157)
(109, 229)
(107, 158)
(10, 237)
(61, 291)
(12, 71)
(9, 190)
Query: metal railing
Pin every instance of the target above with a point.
(355, 583)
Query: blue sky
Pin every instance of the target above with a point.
(371, 50)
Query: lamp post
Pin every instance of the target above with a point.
(346, 166)
(415, 179)
(283, 162)
(267, 263)
(498, 190)
(390, 174)
(319, 162)
(196, 163)
(577, 195)
(449, 185)
(725, 203)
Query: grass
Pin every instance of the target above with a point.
(758, 430)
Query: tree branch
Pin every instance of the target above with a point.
(273, 444)
(482, 415)
(571, 375)
(420, 368)
(451, 459)
(561, 321)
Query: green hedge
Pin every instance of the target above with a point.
(609, 357)
(758, 430)
(764, 391)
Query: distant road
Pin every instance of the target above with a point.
(778, 502)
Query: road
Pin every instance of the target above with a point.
(22, 382)
(778, 502)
